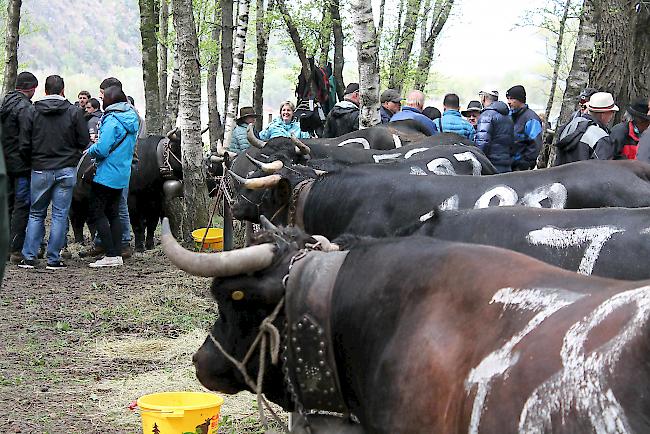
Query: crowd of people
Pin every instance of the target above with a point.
(43, 143)
(510, 134)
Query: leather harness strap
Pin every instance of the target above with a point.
(297, 203)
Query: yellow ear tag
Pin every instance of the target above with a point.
(237, 295)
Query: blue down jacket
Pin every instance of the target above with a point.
(495, 135)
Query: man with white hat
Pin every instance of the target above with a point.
(587, 136)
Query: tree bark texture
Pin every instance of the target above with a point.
(558, 58)
(442, 10)
(339, 60)
(11, 45)
(262, 30)
(195, 212)
(214, 117)
(227, 30)
(296, 39)
(237, 68)
(399, 62)
(368, 58)
(380, 25)
(579, 75)
(325, 36)
(614, 66)
(149, 20)
(173, 96)
(163, 49)
(641, 54)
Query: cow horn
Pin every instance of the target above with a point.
(325, 244)
(246, 260)
(271, 167)
(267, 225)
(257, 183)
(252, 138)
(320, 172)
(171, 132)
(301, 147)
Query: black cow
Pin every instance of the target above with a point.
(608, 242)
(415, 335)
(377, 201)
(145, 187)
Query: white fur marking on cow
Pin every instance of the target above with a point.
(412, 152)
(564, 238)
(581, 386)
(506, 195)
(441, 166)
(363, 142)
(418, 171)
(545, 302)
(397, 141)
(380, 157)
(468, 156)
(556, 193)
(449, 204)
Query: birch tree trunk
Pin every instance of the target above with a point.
(325, 36)
(339, 60)
(558, 58)
(227, 30)
(579, 75)
(368, 58)
(296, 39)
(443, 9)
(263, 25)
(195, 206)
(149, 20)
(174, 94)
(163, 42)
(11, 45)
(399, 63)
(237, 68)
(380, 26)
(214, 117)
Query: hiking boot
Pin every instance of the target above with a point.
(27, 263)
(107, 261)
(56, 266)
(93, 251)
(16, 257)
(127, 252)
(65, 253)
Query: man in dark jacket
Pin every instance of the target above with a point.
(391, 103)
(527, 128)
(587, 136)
(93, 115)
(344, 116)
(16, 115)
(59, 135)
(495, 131)
(625, 136)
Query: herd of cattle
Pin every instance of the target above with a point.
(477, 302)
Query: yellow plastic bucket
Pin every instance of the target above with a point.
(180, 413)
(213, 240)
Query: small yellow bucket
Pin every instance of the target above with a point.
(213, 240)
(180, 412)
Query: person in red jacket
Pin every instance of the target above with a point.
(625, 136)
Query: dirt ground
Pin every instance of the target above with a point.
(79, 345)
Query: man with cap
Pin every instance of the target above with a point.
(472, 112)
(344, 116)
(495, 131)
(527, 129)
(391, 103)
(451, 120)
(239, 142)
(625, 136)
(413, 109)
(16, 114)
(587, 136)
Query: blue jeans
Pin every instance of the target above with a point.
(124, 220)
(49, 186)
(18, 210)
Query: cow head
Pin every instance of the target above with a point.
(247, 286)
(174, 137)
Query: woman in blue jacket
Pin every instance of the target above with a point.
(113, 154)
(285, 125)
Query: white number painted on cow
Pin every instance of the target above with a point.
(556, 193)
(441, 166)
(563, 238)
(381, 157)
(468, 156)
(506, 195)
(418, 171)
(412, 152)
(545, 302)
(363, 142)
(581, 386)
(397, 141)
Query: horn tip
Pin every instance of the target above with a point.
(166, 230)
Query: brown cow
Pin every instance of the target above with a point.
(416, 335)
